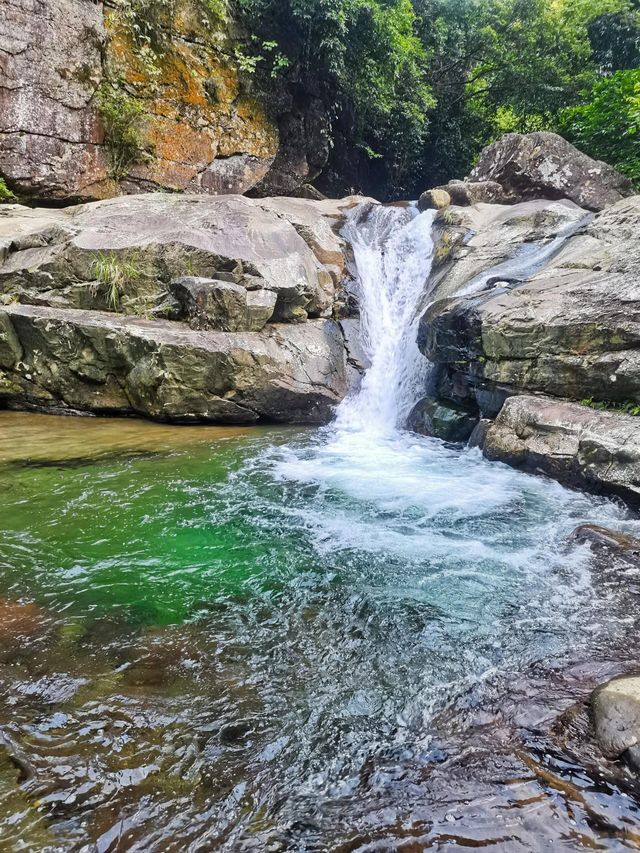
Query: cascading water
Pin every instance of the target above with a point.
(393, 249)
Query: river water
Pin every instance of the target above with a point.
(345, 639)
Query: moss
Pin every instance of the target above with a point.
(6, 196)
(624, 407)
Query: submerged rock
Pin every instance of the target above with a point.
(442, 419)
(572, 443)
(616, 715)
(544, 165)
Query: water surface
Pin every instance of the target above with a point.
(276, 639)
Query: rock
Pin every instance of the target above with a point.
(442, 419)
(575, 444)
(615, 709)
(465, 193)
(70, 360)
(50, 134)
(137, 245)
(213, 304)
(544, 165)
(612, 550)
(434, 200)
(572, 330)
(484, 236)
(304, 130)
(603, 538)
(70, 65)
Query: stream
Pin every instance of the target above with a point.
(343, 639)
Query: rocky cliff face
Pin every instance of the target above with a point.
(100, 99)
(180, 308)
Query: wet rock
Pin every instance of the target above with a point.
(544, 165)
(436, 199)
(442, 419)
(484, 236)
(603, 538)
(572, 443)
(615, 709)
(105, 363)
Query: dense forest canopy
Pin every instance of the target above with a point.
(415, 88)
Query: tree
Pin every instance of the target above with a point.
(607, 126)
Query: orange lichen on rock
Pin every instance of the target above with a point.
(195, 110)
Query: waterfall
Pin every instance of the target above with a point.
(393, 251)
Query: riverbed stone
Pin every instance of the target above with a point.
(544, 165)
(616, 715)
(575, 444)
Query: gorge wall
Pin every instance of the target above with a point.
(99, 99)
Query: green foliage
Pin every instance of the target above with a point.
(414, 89)
(607, 126)
(6, 196)
(114, 273)
(123, 117)
(364, 59)
(150, 22)
(500, 66)
(628, 407)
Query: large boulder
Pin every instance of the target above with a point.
(544, 165)
(69, 360)
(571, 330)
(124, 253)
(575, 444)
(220, 309)
(478, 239)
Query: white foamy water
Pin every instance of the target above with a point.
(435, 511)
(393, 250)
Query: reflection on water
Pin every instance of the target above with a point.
(221, 639)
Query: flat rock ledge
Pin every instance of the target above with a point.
(62, 360)
(575, 444)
